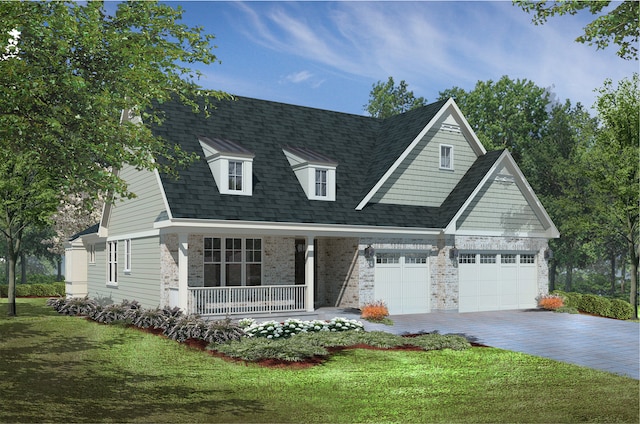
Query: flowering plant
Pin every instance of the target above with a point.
(291, 327)
(550, 301)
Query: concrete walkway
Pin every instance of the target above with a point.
(600, 343)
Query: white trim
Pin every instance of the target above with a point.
(127, 256)
(450, 107)
(444, 168)
(243, 262)
(138, 235)
(530, 196)
(287, 228)
(163, 194)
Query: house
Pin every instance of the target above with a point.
(290, 208)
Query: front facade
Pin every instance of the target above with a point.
(289, 209)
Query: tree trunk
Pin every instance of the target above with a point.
(568, 281)
(612, 276)
(23, 268)
(633, 295)
(623, 279)
(59, 262)
(552, 275)
(11, 295)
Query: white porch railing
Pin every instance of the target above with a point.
(246, 300)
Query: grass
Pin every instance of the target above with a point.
(65, 369)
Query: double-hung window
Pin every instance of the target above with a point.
(112, 263)
(446, 157)
(232, 261)
(127, 255)
(235, 175)
(321, 182)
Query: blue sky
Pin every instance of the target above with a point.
(329, 54)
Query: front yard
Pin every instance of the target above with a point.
(57, 368)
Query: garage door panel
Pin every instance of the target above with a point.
(402, 281)
(496, 282)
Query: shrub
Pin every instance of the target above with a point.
(568, 310)
(295, 349)
(222, 331)
(375, 311)
(620, 309)
(570, 299)
(593, 304)
(550, 301)
(124, 313)
(77, 306)
(276, 330)
(435, 341)
(187, 327)
(36, 289)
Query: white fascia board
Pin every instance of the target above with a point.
(288, 228)
(520, 234)
(506, 159)
(138, 235)
(449, 107)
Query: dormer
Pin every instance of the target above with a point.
(231, 165)
(315, 172)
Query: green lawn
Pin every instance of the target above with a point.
(62, 369)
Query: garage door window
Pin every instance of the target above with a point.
(387, 258)
(508, 259)
(467, 258)
(415, 258)
(487, 259)
(527, 259)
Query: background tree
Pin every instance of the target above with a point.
(63, 86)
(504, 114)
(619, 26)
(388, 99)
(612, 164)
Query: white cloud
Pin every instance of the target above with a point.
(298, 77)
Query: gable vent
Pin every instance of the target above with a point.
(505, 179)
(450, 127)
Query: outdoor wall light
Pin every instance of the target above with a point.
(453, 253)
(369, 252)
(548, 254)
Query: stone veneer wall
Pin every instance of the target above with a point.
(278, 262)
(337, 272)
(168, 265)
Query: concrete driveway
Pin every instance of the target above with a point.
(600, 343)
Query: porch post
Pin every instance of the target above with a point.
(183, 272)
(309, 267)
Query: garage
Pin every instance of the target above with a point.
(402, 281)
(497, 281)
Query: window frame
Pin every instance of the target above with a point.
(321, 182)
(442, 149)
(127, 256)
(235, 176)
(112, 263)
(223, 257)
(91, 252)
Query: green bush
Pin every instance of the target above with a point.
(567, 310)
(37, 289)
(620, 309)
(593, 304)
(294, 349)
(571, 299)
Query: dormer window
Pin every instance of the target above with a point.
(231, 165)
(315, 172)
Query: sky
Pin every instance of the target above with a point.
(328, 55)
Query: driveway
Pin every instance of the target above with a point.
(600, 343)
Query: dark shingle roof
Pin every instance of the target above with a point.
(91, 230)
(363, 148)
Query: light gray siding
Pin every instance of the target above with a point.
(137, 214)
(500, 206)
(419, 181)
(142, 283)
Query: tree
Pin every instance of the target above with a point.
(619, 26)
(504, 114)
(387, 99)
(65, 79)
(612, 164)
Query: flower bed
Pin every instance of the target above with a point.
(290, 327)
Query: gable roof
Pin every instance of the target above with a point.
(364, 148)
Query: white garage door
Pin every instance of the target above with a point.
(492, 282)
(402, 281)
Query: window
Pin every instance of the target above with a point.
(387, 258)
(527, 259)
(415, 258)
(235, 175)
(487, 259)
(91, 250)
(112, 262)
(467, 258)
(127, 255)
(508, 259)
(232, 262)
(321, 182)
(446, 156)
